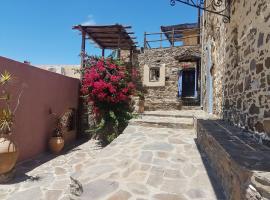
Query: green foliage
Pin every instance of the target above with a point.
(112, 124)
(6, 115)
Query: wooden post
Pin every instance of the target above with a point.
(173, 37)
(145, 40)
(160, 39)
(119, 53)
(118, 46)
(199, 25)
(103, 52)
(83, 49)
(131, 56)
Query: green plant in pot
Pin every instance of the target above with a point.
(8, 150)
(141, 102)
(56, 142)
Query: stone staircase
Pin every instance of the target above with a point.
(163, 121)
(157, 103)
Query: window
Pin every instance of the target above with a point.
(154, 74)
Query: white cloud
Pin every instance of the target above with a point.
(90, 21)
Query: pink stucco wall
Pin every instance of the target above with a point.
(42, 91)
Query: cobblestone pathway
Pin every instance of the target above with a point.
(155, 158)
(48, 177)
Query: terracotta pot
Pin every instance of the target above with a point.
(56, 144)
(8, 155)
(69, 136)
(141, 106)
(266, 125)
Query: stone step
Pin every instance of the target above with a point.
(148, 113)
(191, 108)
(187, 113)
(164, 121)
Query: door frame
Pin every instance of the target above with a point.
(209, 78)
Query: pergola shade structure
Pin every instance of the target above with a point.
(114, 37)
(187, 33)
(109, 36)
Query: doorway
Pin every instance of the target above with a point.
(188, 83)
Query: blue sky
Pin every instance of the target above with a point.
(41, 30)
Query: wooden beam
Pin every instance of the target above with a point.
(131, 56)
(173, 37)
(144, 43)
(111, 36)
(83, 49)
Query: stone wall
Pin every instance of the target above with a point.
(241, 164)
(240, 59)
(164, 96)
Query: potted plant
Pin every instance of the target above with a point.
(8, 150)
(141, 102)
(56, 142)
(68, 124)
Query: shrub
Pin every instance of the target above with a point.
(108, 86)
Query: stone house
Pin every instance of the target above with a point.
(66, 70)
(236, 65)
(170, 74)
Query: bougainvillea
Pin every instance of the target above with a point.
(108, 86)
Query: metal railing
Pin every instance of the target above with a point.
(162, 39)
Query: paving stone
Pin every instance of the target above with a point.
(157, 170)
(154, 180)
(189, 170)
(196, 194)
(33, 193)
(145, 167)
(120, 195)
(176, 141)
(175, 174)
(168, 197)
(61, 185)
(98, 189)
(146, 157)
(174, 186)
(158, 146)
(162, 155)
(60, 171)
(53, 194)
(137, 188)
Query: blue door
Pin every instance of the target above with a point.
(180, 83)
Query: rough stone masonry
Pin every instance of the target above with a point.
(240, 59)
(164, 96)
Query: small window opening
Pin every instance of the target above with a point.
(154, 74)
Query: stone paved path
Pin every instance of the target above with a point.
(156, 158)
(48, 177)
(150, 161)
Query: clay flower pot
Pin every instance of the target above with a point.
(56, 144)
(266, 125)
(8, 155)
(141, 106)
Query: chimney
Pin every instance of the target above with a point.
(27, 62)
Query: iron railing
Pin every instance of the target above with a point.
(161, 40)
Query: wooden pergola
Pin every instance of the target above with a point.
(113, 37)
(179, 32)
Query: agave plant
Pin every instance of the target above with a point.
(6, 115)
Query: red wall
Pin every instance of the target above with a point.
(42, 91)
